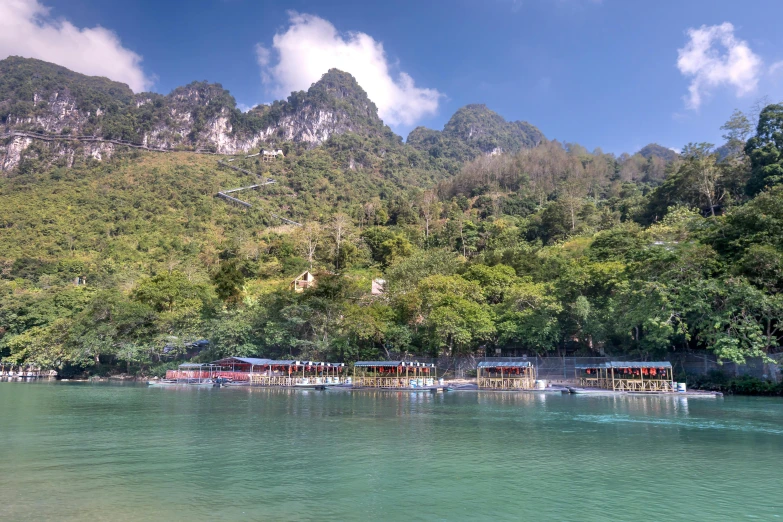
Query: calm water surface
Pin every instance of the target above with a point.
(74, 451)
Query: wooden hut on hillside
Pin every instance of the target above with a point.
(518, 375)
(271, 155)
(627, 376)
(394, 374)
(303, 281)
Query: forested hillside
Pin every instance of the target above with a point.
(538, 247)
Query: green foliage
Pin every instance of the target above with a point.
(472, 131)
(765, 150)
(744, 385)
(121, 265)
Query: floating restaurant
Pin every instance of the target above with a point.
(394, 374)
(298, 373)
(520, 375)
(193, 373)
(264, 372)
(627, 376)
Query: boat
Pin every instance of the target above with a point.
(313, 384)
(169, 382)
(589, 391)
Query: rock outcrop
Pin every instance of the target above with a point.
(39, 98)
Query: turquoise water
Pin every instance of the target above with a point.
(73, 451)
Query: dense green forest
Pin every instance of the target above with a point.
(122, 265)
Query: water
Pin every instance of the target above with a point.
(75, 451)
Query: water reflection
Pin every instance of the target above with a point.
(288, 454)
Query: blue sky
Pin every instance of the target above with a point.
(599, 73)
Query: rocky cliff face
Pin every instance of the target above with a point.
(44, 99)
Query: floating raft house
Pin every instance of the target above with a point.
(627, 376)
(394, 374)
(297, 373)
(520, 375)
(192, 373)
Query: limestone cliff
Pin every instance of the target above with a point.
(43, 99)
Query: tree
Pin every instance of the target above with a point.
(737, 129)
(429, 209)
(700, 166)
(307, 238)
(528, 316)
(454, 313)
(167, 291)
(228, 281)
(765, 150)
(341, 229)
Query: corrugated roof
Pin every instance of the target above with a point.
(659, 364)
(306, 363)
(390, 364)
(625, 364)
(378, 364)
(246, 360)
(514, 364)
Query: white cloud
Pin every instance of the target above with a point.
(714, 57)
(26, 29)
(776, 68)
(310, 46)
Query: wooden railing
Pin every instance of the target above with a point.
(391, 382)
(633, 385)
(643, 385)
(595, 382)
(285, 380)
(507, 383)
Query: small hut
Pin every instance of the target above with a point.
(378, 286)
(302, 282)
(520, 375)
(627, 376)
(394, 374)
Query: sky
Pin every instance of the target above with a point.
(609, 74)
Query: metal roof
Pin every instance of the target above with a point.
(246, 360)
(391, 364)
(625, 364)
(659, 364)
(515, 364)
(586, 366)
(191, 365)
(305, 363)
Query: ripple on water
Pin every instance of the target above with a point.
(134, 453)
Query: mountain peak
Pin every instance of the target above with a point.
(653, 149)
(473, 130)
(339, 91)
(40, 97)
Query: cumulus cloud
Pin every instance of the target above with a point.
(27, 29)
(310, 46)
(714, 57)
